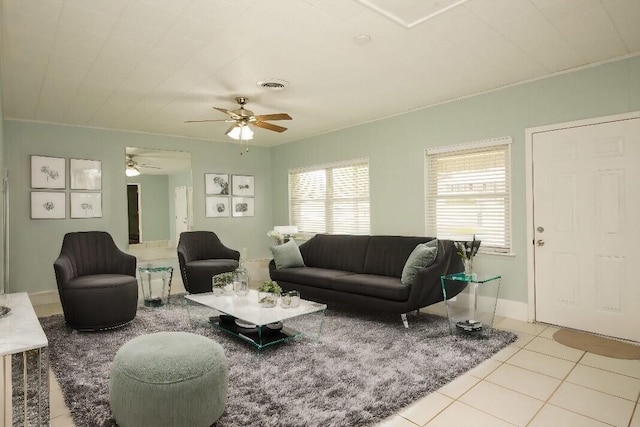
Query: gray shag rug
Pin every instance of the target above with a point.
(365, 367)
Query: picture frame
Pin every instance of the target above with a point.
(217, 206)
(85, 174)
(86, 205)
(242, 206)
(243, 185)
(216, 183)
(48, 205)
(48, 172)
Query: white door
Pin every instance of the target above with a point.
(587, 227)
(182, 223)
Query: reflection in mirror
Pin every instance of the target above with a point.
(159, 196)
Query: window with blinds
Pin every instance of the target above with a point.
(330, 198)
(469, 192)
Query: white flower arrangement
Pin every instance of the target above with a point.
(276, 235)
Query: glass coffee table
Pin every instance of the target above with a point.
(243, 317)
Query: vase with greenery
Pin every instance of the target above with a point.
(467, 251)
(222, 284)
(268, 294)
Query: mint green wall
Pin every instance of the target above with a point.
(396, 150)
(154, 200)
(36, 243)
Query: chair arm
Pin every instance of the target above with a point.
(223, 252)
(124, 263)
(64, 270)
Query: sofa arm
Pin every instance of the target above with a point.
(426, 288)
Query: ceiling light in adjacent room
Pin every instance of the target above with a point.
(132, 171)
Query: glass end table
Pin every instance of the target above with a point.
(471, 311)
(155, 295)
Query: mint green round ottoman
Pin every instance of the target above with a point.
(169, 379)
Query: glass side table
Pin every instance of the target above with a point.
(472, 311)
(154, 294)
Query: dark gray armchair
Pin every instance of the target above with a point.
(202, 255)
(96, 281)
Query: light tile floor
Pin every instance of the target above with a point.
(535, 382)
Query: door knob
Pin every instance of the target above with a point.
(539, 242)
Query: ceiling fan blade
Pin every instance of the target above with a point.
(276, 116)
(229, 113)
(230, 129)
(201, 121)
(269, 126)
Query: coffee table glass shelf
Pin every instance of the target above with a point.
(243, 317)
(473, 310)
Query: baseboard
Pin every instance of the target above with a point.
(44, 298)
(504, 308)
(512, 309)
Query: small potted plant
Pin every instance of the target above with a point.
(222, 283)
(268, 294)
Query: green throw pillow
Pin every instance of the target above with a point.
(287, 255)
(422, 256)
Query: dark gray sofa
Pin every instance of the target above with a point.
(365, 271)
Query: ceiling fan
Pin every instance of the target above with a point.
(242, 118)
(133, 167)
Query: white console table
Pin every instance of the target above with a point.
(25, 365)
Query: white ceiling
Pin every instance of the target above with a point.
(149, 65)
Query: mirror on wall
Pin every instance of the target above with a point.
(159, 195)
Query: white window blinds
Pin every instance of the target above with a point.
(330, 198)
(469, 192)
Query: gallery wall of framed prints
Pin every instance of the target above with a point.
(226, 197)
(50, 173)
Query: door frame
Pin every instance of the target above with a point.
(528, 156)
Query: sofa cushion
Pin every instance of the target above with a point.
(336, 252)
(287, 255)
(309, 276)
(387, 255)
(383, 287)
(422, 256)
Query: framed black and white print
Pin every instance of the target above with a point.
(48, 172)
(243, 185)
(216, 206)
(242, 206)
(216, 183)
(85, 174)
(48, 205)
(86, 205)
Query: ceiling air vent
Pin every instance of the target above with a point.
(273, 84)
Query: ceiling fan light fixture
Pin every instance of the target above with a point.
(241, 132)
(132, 171)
